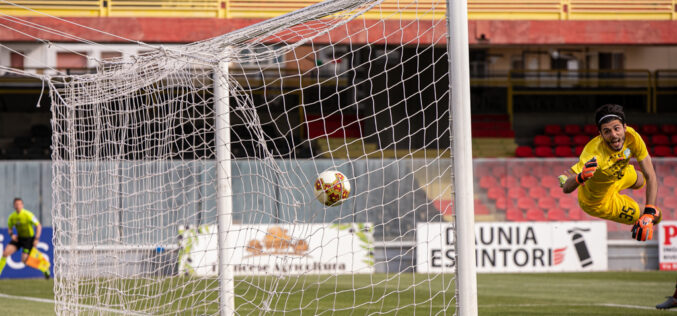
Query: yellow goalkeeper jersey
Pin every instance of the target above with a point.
(611, 165)
(24, 222)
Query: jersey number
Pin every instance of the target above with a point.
(627, 213)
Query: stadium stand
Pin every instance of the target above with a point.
(570, 140)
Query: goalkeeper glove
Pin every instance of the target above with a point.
(643, 229)
(562, 180)
(588, 170)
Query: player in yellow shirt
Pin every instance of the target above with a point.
(604, 169)
(25, 238)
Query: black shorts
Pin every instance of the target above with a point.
(25, 243)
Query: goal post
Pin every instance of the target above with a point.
(224, 187)
(185, 177)
(459, 71)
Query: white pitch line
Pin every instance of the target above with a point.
(631, 306)
(582, 305)
(27, 298)
(48, 301)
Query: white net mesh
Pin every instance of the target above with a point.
(325, 88)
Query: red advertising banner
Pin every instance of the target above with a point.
(667, 245)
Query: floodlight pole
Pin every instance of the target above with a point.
(224, 189)
(459, 101)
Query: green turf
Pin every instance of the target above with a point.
(605, 293)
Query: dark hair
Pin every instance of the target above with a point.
(17, 199)
(609, 112)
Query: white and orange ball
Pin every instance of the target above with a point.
(332, 188)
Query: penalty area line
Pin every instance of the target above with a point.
(48, 301)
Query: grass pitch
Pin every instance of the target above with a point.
(605, 293)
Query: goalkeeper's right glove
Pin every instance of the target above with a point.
(588, 170)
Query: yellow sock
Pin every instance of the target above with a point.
(2, 264)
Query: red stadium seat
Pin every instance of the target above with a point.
(487, 182)
(575, 214)
(535, 214)
(524, 152)
(542, 140)
(504, 203)
(669, 129)
(525, 203)
(516, 192)
(578, 150)
(562, 140)
(496, 193)
(564, 151)
(514, 215)
(645, 139)
(660, 139)
(635, 127)
(569, 202)
(673, 139)
(649, 129)
(590, 130)
(509, 181)
(553, 130)
(543, 151)
(662, 151)
(572, 129)
(537, 192)
(581, 140)
(480, 208)
(547, 203)
(529, 181)
(556, 192)
(557, 215)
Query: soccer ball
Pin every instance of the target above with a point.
(332, 188)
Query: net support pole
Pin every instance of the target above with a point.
(459, 99)
(224, 193)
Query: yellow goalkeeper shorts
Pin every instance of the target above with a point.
(617, 207)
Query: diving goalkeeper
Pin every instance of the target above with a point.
(604, 169)
(25, 238)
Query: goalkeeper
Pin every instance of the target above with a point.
(25, 238)
(604, 169)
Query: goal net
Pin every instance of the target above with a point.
(184, 177)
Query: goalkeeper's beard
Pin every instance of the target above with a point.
(616, 144)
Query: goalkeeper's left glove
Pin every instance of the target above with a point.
(643, 229)
(562, 180)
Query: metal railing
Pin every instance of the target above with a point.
(642, 83)
(426, 9)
